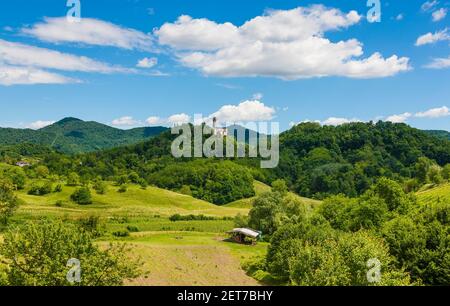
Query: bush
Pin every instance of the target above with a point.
(91, 225)
(132, 229)
(186, 190)
(123, 189)
(58, 188)
(143, 183)
(100, 187)
(446, 172)
(178, 217)
(240, 221)
(73, 179)
(8, 201)
(122, 233)
(59, 203)
(82, 196)
(41, 189)
(45, 248)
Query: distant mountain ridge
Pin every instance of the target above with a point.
(73, 136)
(439, 133)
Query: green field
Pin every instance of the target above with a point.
(435, 194)
(173, 253)
(261, 188)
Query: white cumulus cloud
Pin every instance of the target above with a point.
(90, 32)
(401, 118)
(154, 120)
(428, 5)
(179, 119)
(439, 14)
(431, 38)
(125, 121)
(339, 121)
(287, 44)
(147, 62)
(18, 54)
(250, 110)
(434, 113)
(439, 63)
(14, 75)
(39, 124)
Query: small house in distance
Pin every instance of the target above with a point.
(244, 235)
(22, 164)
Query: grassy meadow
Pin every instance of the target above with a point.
(173, 253)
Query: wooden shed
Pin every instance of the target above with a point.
(244, 235)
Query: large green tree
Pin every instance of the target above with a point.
(46, 254)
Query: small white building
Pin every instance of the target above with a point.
(22, 164)
(219, 131)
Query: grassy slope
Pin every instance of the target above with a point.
(261, 188)
(174, 253)
(134, 203)
(435, 194)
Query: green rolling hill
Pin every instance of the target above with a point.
(439, 134)
(73, 136)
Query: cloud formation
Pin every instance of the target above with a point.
(429, 5)
(178, 119)
(339, 121)
(431, 38)
(287, 44)
(26, 65)
(13, 53)
(439, 14)
(39, 124)
(399, 118)
(246, 111)
(125, 121)
(439, 63)
(147, 62)
(154, 120)
(14, 75)
(89, 31)
(434, 113)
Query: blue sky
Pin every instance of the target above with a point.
(195, 64)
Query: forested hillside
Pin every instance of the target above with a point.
(72, 135)
(316, 161)
(440, 134)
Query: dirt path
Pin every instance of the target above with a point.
(190, 265)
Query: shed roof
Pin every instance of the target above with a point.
(246, 231)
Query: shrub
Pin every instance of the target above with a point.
(44, 249)
(58, 188)
(8, 201)
(91, 225)
(82, 196)
(122, 233)
(186, 190)
(123, 189)
(73, 179)
(132, 229)
(100, 187)
(41, 189)
(240, 221)
(178, 217)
